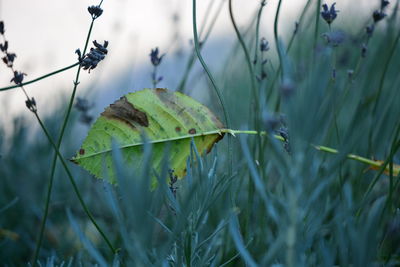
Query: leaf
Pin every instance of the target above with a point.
(164, 117)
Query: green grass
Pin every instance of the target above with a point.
(298, 208)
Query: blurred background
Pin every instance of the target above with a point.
(44, 34)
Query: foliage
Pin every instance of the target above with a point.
(285, 204)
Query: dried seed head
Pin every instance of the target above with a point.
(92, 59)
(329, 14)
(378, 15)
(9, 59)
(384, 4)
(95, 11)
(264, 45)
(155, 58)
(31, 104)
(4, 47)
(18, 77)
(370, 29)
(364, 50)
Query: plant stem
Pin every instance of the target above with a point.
(263, 3)
(40, 78)
(73, 183)
(256, 97)
(213, 82)
(278, 48)
(191, 60)
(370, 162)
(54, 161)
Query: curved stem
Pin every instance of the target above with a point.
(213, 82)
(248, 61)
(278, 47)
(258, 30)
(40, 78)
(373, 163)
(288, 49)
(276, 37)
(54, 161)
(73, 183)
(191, 60)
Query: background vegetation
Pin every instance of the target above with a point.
(278, 203)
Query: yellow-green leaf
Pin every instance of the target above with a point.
(163, 117)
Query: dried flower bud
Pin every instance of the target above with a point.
(18, 77)
(1, 27)
(91, 59)
(155, 58)
(283, 132)
(378, 15)
(264, 45)
(329, 15)
(9, 59)
(4, 47)
(364, 50)
(384, 4)
(370, 29)
(79, 53)
(95, 11)
(102, 48)
(31, 104)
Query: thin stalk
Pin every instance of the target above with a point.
(73, 183)
(282, 74)
(276, 37)
(249, 65)
(326, 149)
(213, 82)
(316, 25)
(191, 60)
(40, 78)
(277, 73)
(54, 161)
(263, 3)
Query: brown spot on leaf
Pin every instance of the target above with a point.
(161, 90)
(124, 111)
(219, 137)
(192, 131)
(81, 151)
(177, 129)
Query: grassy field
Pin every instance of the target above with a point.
(253, 200)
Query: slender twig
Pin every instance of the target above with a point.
(59, 141)
(262, 5)
(40, 78)
(249, 65)
(277, 73)
(75, 186)
(191, 60)
(213, 82)
(317, 14)
(278, 48)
